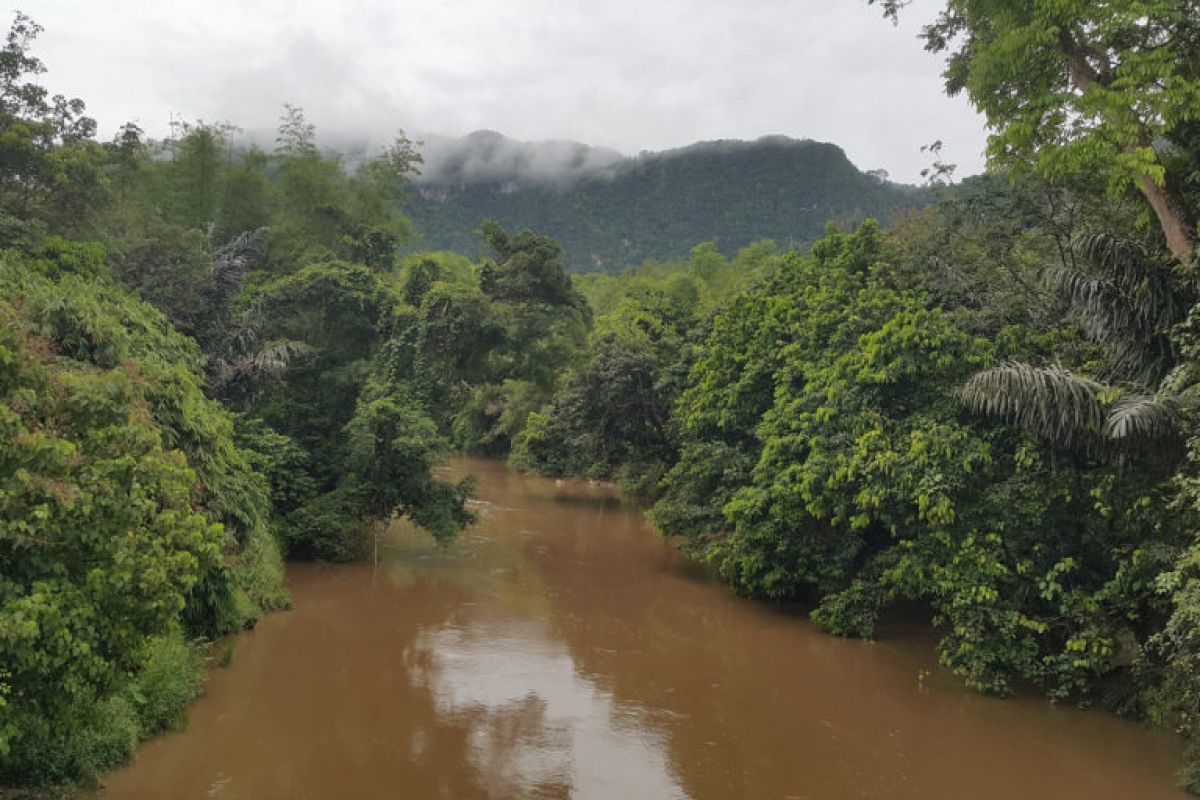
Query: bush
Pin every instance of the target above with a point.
(101, 735)
(329, 527)
(171, 677)
(96, 737)
(258, 576)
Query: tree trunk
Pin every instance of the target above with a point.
(1181, 239)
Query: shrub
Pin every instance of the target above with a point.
(172, 675)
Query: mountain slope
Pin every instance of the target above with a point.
(610, 212)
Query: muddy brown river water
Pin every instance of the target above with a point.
(561, 649)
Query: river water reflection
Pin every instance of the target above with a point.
(560, 649)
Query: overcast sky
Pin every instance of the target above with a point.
(627, 74)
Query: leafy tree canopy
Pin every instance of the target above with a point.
(1069, 87)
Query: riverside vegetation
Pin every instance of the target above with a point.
(214, 357)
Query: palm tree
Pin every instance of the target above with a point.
(246, 365)
(1126, 302)
(238, 362)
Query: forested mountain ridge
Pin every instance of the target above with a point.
(609, 213)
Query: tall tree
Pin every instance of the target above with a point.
(1104, 86)
(50, 168)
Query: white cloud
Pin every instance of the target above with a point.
(626, 74)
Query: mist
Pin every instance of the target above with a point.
(490, 157)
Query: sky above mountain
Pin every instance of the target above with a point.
(630, 75)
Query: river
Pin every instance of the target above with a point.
(561, 649)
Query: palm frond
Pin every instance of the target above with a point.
(1125, 302)
(233, 259)
(273, 358)
(242, 375)
(245, 332)
(1140, 417)
(1052, 403)
(1144, 363)
(1103, 308)
(1147, 284)
(1072, 412)
(1112, 254)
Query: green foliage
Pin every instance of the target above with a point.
(100, 736)
(495, 416)
(611, 416)
(256, 574)
(122, 491)
(1081, 87)
(1176, 700)
(528, 270)
(171, 676)
(696, 285)
(824, 454)
(168, 267)
(350, 435)
(485, 346)
(321, 211)
(329, 527)
(419, 280)
(285, 464)
(94, 738)
(391, 448)
(1128, 306)
(608, 414)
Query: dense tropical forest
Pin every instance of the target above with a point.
(215, 357)
(609, 214)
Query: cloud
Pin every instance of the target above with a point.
(624, 75)
(489, 156)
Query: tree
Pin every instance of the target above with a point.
(528, 269)
(296, 137)
(420, 279)
(354, 397)
(608, 414)
(380, 182)
(391, 450)
(196, 172)
(825, 456)
(1106, 86)
(50, 169)
(128, 156)
(246, 199)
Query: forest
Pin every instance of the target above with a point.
(216, 358)
(656, 206)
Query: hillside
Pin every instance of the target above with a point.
(609, 211)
